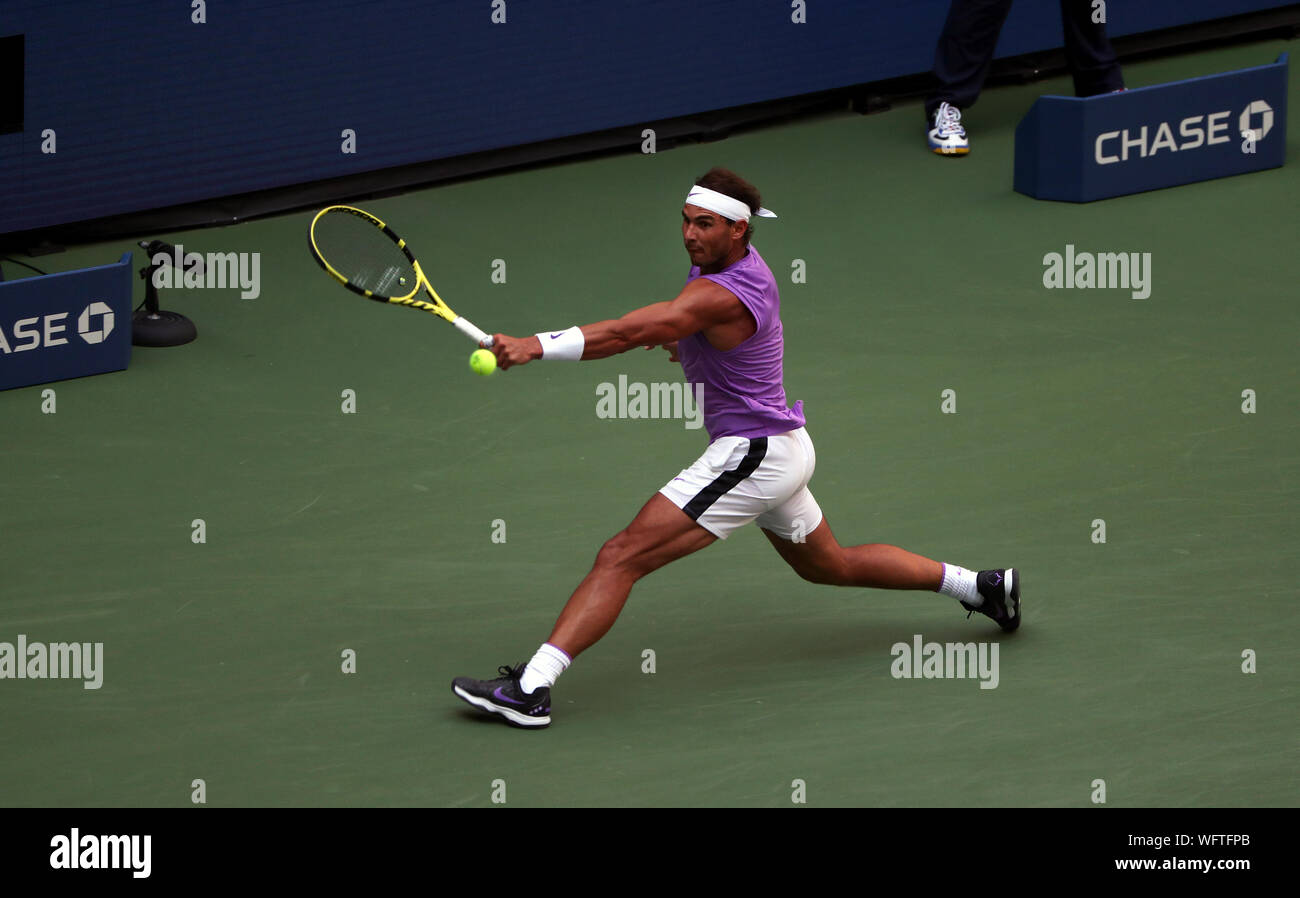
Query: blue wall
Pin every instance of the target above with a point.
(150, 109)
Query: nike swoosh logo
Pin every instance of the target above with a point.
(560, 334)
(497, 693)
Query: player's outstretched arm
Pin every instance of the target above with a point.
(702, 304)
(652, 325)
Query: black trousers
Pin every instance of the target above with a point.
(970, 35)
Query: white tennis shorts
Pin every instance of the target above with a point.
(738, 480)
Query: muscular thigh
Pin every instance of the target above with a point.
(660, 533)
(817, 558)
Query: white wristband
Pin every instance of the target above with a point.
(563, 346)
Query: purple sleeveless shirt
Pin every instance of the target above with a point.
(744, 395)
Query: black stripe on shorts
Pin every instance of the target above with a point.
(727, 480)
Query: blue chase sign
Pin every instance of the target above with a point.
(65, 325)
(1079, 150)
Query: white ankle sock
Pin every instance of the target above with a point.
(961, 585)
(544, 669)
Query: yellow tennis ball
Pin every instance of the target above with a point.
(483, 362)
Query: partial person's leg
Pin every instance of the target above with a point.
(821, 559)
(706, 501)
(1088, 51)
(965, 52)
(660, 533)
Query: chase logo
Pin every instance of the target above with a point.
(1193, 132)
(1247, 120)
(100, 334)
(93, 326)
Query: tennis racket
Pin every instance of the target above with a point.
(366, 256)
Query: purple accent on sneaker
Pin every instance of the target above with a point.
(997, 578)
(497, 693)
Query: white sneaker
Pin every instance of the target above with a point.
(948, 137)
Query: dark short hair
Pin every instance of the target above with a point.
(733, 185)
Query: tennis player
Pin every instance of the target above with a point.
(725, 329)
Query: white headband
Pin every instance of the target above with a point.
(726, 206)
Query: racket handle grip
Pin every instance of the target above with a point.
(473, 333)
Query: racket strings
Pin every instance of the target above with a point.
(363, 254)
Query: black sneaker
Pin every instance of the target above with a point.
(1001, 592)
(503, 696)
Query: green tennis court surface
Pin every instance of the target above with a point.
(373, 531)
